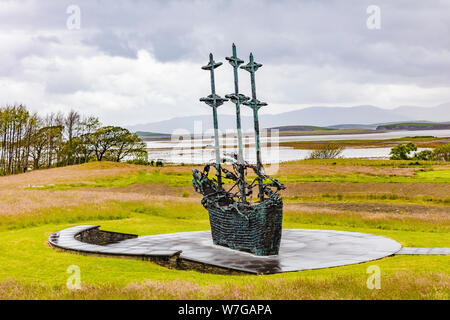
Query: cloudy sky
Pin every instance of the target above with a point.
(132, 62)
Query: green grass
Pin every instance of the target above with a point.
(24, 249)
(403, 229)
(40, 271)
(184, 178)
(30, 269)
(437, 176)
(369, 197)
(367, 163)
(71, 214)
(169, 178)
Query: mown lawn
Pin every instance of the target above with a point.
(146, 201)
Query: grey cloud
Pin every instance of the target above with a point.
(412, 42)
(112, 44)
(309, 48)
(302, 32)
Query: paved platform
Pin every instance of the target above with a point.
(300, 249)
(413, 251)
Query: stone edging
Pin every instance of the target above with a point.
(89, 240)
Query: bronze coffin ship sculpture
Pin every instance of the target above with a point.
(237, 221)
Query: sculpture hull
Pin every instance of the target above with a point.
(256, 230)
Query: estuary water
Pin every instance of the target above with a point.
(199, 150)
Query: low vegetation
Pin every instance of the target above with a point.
(327, 151)
(405, 152)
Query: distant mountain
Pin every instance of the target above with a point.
(357, 117)
(440, 113)
(326, 116)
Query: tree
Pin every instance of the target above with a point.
(401, 151)
(103, 140)
(327, 151)
(16, 127)
(38, 143)
(83, 142)
(53, 136)
(114, 143)
(423, 155)
(129, 144)
(54, 126)
(442, 153)
(72, 125)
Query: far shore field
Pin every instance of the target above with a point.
(420, 141)
(357, 138)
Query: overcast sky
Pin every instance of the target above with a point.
(135, 61)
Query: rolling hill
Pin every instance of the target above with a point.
(312, 116)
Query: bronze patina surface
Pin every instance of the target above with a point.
(238, 222)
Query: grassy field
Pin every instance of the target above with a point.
(420, 141)
(317, 131)
(403, 200)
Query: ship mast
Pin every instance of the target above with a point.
(214, 101)
(238, 99)
(255, 104)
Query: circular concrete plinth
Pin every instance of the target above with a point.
(300, 249)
